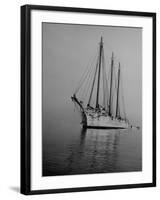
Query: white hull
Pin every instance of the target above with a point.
(105, 122)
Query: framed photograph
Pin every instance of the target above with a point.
(88, 99)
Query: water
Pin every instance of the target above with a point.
(68, 149)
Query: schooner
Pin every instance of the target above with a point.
(102, 105)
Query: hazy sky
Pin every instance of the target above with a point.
(67, 50)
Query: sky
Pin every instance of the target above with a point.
(67, 49)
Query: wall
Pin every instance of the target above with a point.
(10, 100)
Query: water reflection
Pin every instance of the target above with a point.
(96, 151)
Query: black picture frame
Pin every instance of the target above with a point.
(26, 97)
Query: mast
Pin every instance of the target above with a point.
(99, 72)
(110, 97)
(104, 81)
(117, 104)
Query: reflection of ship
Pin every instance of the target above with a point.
(96, 151)
(103, 106)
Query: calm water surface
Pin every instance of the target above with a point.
(69, 149)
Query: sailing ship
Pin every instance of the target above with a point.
(102, 102)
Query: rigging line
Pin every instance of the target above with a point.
(82, 78)
(93, 101)
(77, 107)
(107, 86)
(117, 100)
(87, 84)
(115, 78)
(111, 80)
(113, 96)
(103, 75)
(86, 71)
(107, 98)
(104, 82)
(85, 94)
(107, 94)
(108, 64)
(84, 82)
(88, 65)
(86, 78)
(94, 78)
(99, 72)
(123, 100)
(108, 78)
(114, 91)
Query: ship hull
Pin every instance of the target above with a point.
(105, 122)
